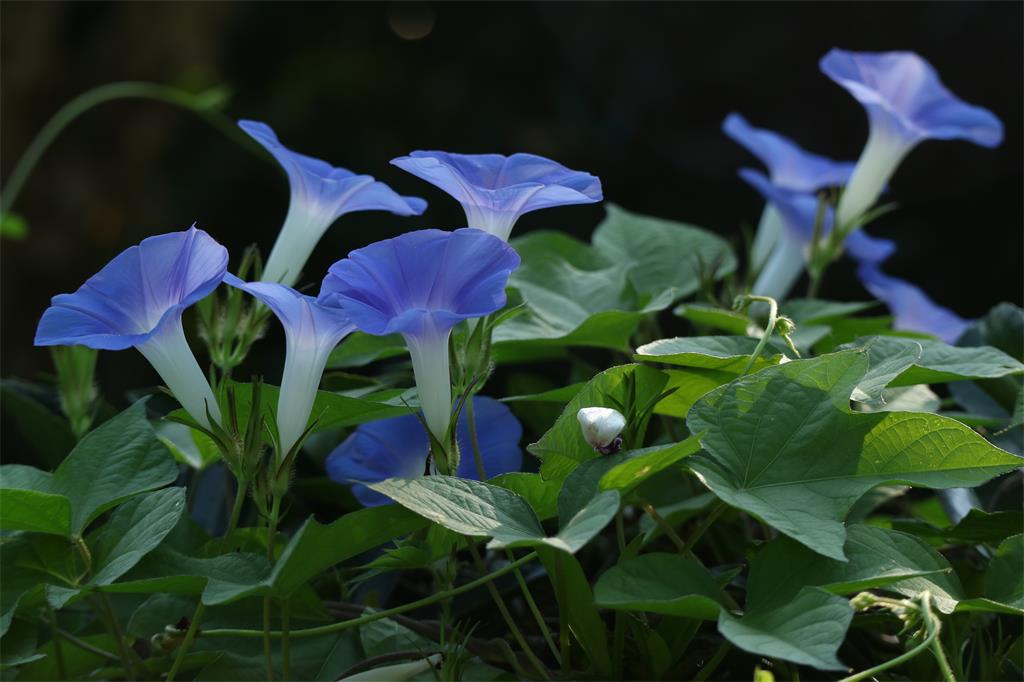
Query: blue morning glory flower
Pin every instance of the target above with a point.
(398, 448)
(911, 308)
(320, 194)
(790, 167)
(495, 190)
(797, 212)
(906, 104)
(137, 300)
(420, 285)
(311, 333)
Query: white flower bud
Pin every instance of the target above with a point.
(601, 427)
(394, 673)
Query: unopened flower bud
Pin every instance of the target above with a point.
(601, 427)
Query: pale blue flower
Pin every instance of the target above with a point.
(420, 285)
(320, 194)
(495, 190)
(311, 332)
(398, 448)
(790, 167)
(797, 212)
(906, 103)
(137, 300)
(911, 308)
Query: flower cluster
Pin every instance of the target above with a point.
(420, 285)
(906, 103)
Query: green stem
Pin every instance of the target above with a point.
(940, 658)
(267, 653)
(285, 652)
(665, 526)
(58, 651)
(106, 93)
(932, 626)
(197, 617)
(532, 605)
(190, 635)
(377, 615)
(477, 456)
(115, 631)
(85, 646)
(562, 596)
(619, 626)
(773, 314)
(699, 531)
(509, 621)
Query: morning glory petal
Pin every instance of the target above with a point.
(864, 248)
(789, 166)
(495, 190)
(136, 300)
(906, 103)
(911, 308)
(421, 284)
(399, 447)
(320, 193)
(311, 333)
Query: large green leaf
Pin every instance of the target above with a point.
(480, 509)
(116, 461)
(35, 511)
(705, 315)
(784, 445)
(542, 495)
(135, 528)
(687, 386)
(46, 432)
(876, 558)
(169, 570)
(669, 584)
(725, 353)
(563, 447)
(639, 465)
(1004, 581)
(807, 629)
(662, 254)
(896, 361)
(594, 295)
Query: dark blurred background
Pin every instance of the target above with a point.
(632, 92)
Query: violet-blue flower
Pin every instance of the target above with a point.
(906, 103)
(311, 332)
(790, 167)
(797, 212)
(421, 284)
(136, 300)
(911, 308)
(320, 193)
(495, 190)
(398, 448)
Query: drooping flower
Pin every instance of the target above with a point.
(320, 194)
(398, 448)
(601, 427)
(798, 212)
(136, 300)
(911, 308)
(311, 333)
(906, 104)
(495, 190)
(790, 167)
(420, 285)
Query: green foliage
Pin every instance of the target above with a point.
(779, 473)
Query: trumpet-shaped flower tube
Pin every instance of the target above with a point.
(790, 167)
(398, 448)
(911, 308)
(320, 194)
(136, 300)
(495, 190)
(798, 211)
(906, 104)
(420, 285)
(311, 332)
